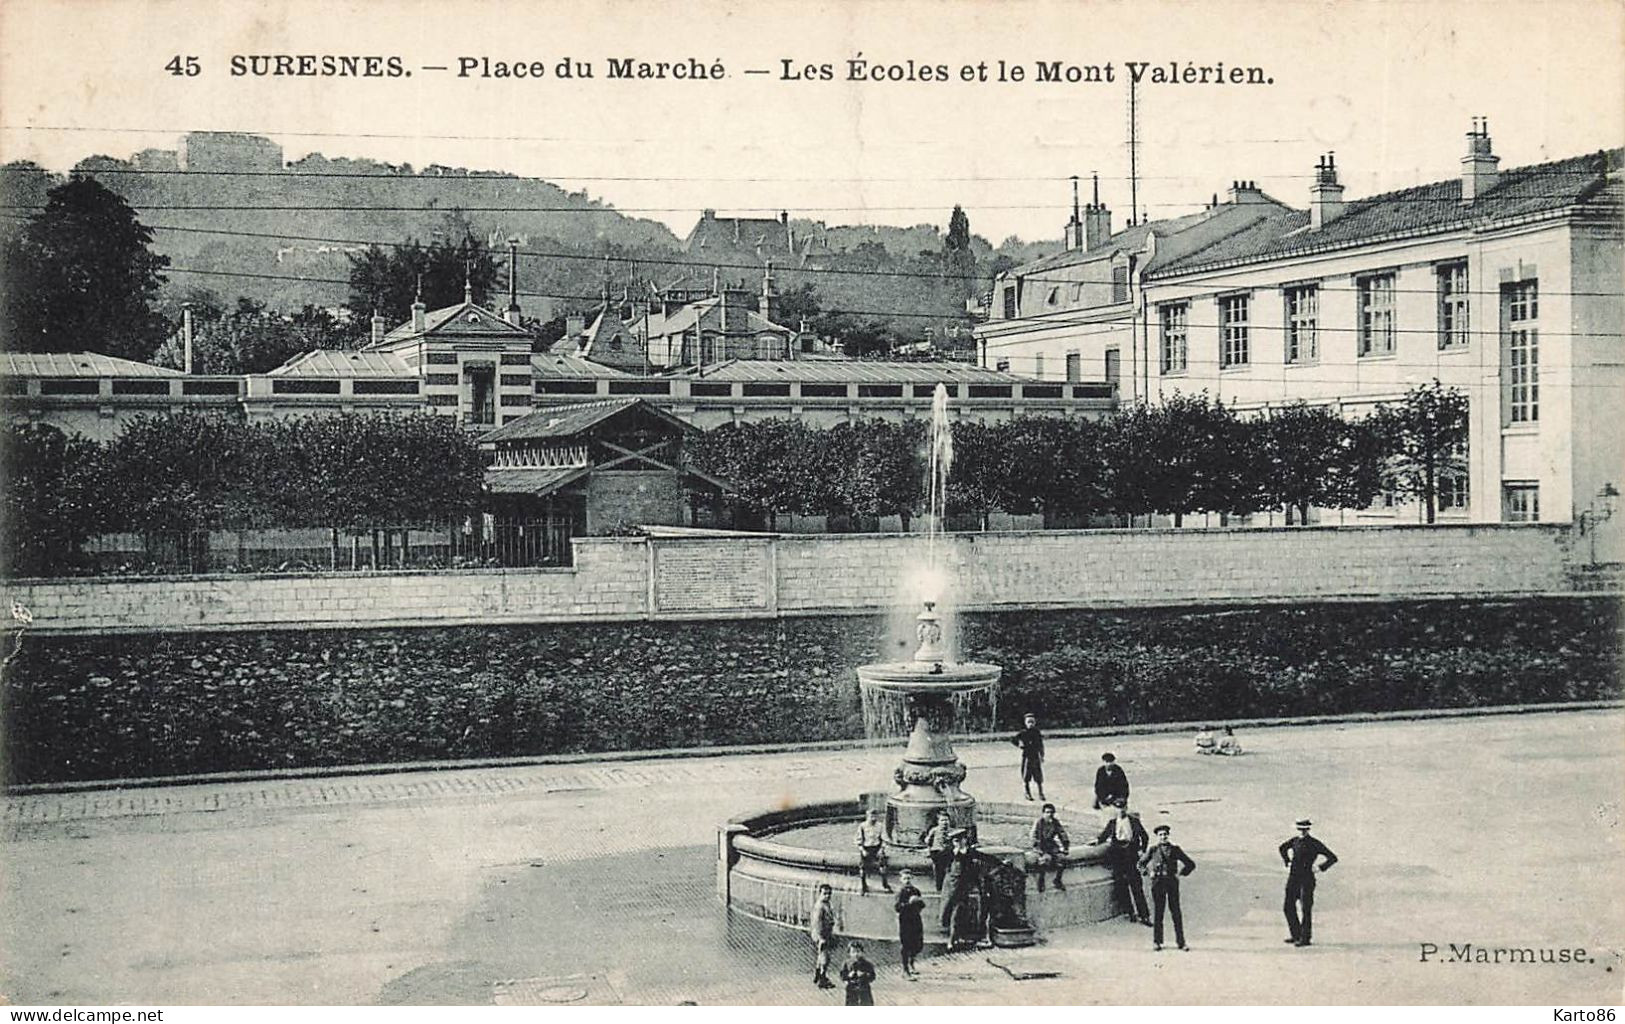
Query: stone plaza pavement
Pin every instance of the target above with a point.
(595, 882)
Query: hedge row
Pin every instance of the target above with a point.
(88, 708)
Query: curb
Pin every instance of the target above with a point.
(671, 753)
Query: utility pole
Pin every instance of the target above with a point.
(1133, 154)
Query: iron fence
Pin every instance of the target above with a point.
(480, 542)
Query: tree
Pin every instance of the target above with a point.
(51, 502)
(1304, 454)
(980, 481)
(1054, 467)
(250, 338)
(960, 260)
(386, 279)
(1185, 454)
(1426, 435)
(797, 304)
(81, 275)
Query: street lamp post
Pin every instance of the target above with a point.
(1601, 510)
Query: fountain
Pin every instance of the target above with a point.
(771, 863)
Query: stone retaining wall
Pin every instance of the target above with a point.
(764, 576)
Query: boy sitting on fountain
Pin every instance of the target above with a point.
(1051, 844)
(872, 851)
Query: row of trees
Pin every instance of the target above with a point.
(174, 475)
(1187, 455)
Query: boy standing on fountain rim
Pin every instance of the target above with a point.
(872, 851)
(1031, 742)
(939, 846)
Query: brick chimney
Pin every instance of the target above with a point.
(1325, 195)
(1097, 220)
(1480, 167)
(377, 328)
(770, 294)
(420, 318)
(1245, 192)
(511, 314)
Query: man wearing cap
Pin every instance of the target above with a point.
(1166, 864)
(1128, 840)
(1299, 854)
(1111, 784)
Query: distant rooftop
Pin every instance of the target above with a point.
(842, 371)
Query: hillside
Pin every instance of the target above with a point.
(228, 205)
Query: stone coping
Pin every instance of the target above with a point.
(754, 832)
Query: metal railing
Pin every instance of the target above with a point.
(479, 542)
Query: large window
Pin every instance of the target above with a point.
(1302, 323)
(1038, 366)
(1520, 347)
(1233, 340)
(1174, 352)
(1520, 502)
(1010, 302)
(1074, 367)
(1119, 284)
(1453, 492)
(1453, 314)
(1377, 315)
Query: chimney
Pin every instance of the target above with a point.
(769, 293)
(377, 327)
(420, 318)
(1074, 227)
(1245, 192)
(1479, 168)
(575, 325)
(511, 314)
(1325, 195)
(1097, 220)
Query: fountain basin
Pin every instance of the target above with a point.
(769, 868)
(940, 677)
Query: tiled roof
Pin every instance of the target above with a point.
(536, 480)
(707, 313)
(77, 364)
(842, 371)
(566, 418)
(324, 362)
(1221, 219)
(1422, 210)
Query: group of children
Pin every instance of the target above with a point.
(1133, 855)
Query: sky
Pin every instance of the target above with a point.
(1389, 86)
